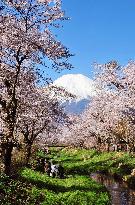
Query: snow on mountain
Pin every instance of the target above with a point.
(80, 86)
(77, 84)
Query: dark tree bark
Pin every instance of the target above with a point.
(7, 149)
(28, 149)
(7, 158)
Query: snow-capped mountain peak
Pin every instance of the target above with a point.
(77, 84)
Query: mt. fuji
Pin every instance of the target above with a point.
(80, 86)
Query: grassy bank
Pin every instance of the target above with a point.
(118, 164)
(86, 161)
(74, 189)
(77, 188)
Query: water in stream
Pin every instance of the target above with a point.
(121, 194)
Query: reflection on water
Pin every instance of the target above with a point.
(120, 193)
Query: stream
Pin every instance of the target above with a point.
(120, 193)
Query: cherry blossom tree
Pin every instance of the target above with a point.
(116, 100)
(41, 118)
(26, 42)
(113, 102)
(110, 117)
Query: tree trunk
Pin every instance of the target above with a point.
(107, 147)
(7, 154)
(128, 147)
(28, 153)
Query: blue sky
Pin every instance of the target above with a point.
(99, 31)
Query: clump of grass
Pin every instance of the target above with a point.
(76, 189)
(16, 192)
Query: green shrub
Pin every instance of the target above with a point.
(15, 192)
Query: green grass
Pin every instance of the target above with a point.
(77, 188)
(74, 189)
(87, 161)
